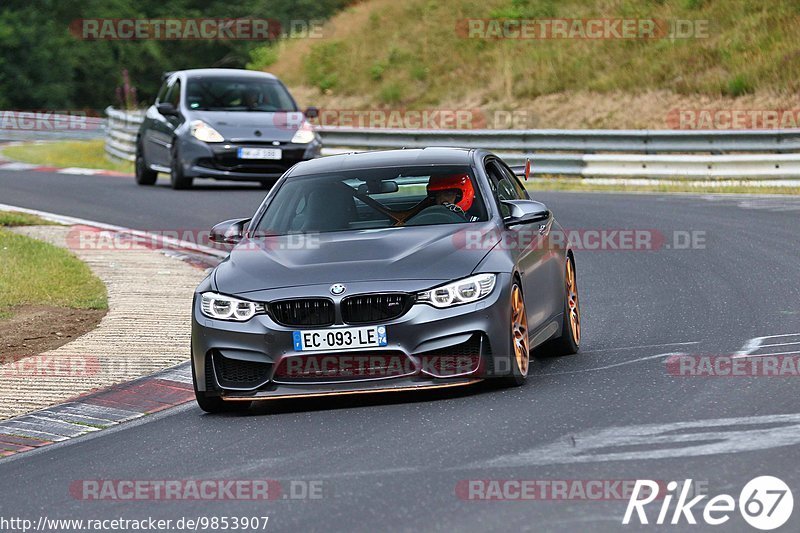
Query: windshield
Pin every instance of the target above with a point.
(238, 94)
(375, 198)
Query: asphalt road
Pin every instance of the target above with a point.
(612, 412)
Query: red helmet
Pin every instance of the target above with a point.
(456, 182)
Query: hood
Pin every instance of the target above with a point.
(437, 253)
(238, 126)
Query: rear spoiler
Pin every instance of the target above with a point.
(522, 171)
(519, 170)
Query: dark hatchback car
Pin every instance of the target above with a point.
(223, 124)
(383, 271)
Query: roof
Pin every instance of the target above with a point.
(384, 158)
(224, 72)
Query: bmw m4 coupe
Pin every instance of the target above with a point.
(383, 271)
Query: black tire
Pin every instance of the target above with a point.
(518, 347)
(568, 343)
(144, 175)
(214, 404)
(176, 177)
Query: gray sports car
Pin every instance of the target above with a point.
(383, 271)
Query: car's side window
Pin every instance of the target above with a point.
(501, 188)
(511, 179)
(174, 94)
(162, 93)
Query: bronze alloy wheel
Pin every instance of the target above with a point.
(573, 305)
(519, 330)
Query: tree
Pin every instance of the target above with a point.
(45, 66)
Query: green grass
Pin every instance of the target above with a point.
(33, 272)
(410, 52)
(82, 154)
(13, 218)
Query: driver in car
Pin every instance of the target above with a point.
(453, 191)
(251, 98)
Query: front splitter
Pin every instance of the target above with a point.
(298, 392)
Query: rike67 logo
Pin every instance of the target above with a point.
(765, 503)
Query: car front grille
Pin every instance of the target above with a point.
(228, 160)
(303, 312)
(370, 308)
(237, 374)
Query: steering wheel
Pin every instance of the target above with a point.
(436, 214)
(399, 217)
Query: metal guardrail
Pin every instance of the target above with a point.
(583, 141)
(629, 153)
(121, 133)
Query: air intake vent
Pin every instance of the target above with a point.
(236, 374)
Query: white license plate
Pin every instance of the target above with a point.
(340, 338)
(260, 153)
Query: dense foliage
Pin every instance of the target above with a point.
(43, 65)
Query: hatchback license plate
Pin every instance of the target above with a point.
(332, 339)
(260, 153)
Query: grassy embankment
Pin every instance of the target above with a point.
(81, 154)
(409, 54)
(33, 272)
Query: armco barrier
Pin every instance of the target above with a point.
(630, 153)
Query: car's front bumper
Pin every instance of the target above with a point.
(221, 161)
(259, 350)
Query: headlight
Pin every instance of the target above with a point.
(304, 135)
(203, 132)
(223, 307)
(463, 291)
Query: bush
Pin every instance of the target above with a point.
(321, 63)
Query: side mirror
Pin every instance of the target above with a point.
(167, 109)
(229, 232)
(312, 112)
(525, 212)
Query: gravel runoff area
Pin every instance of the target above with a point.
(146, 329)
